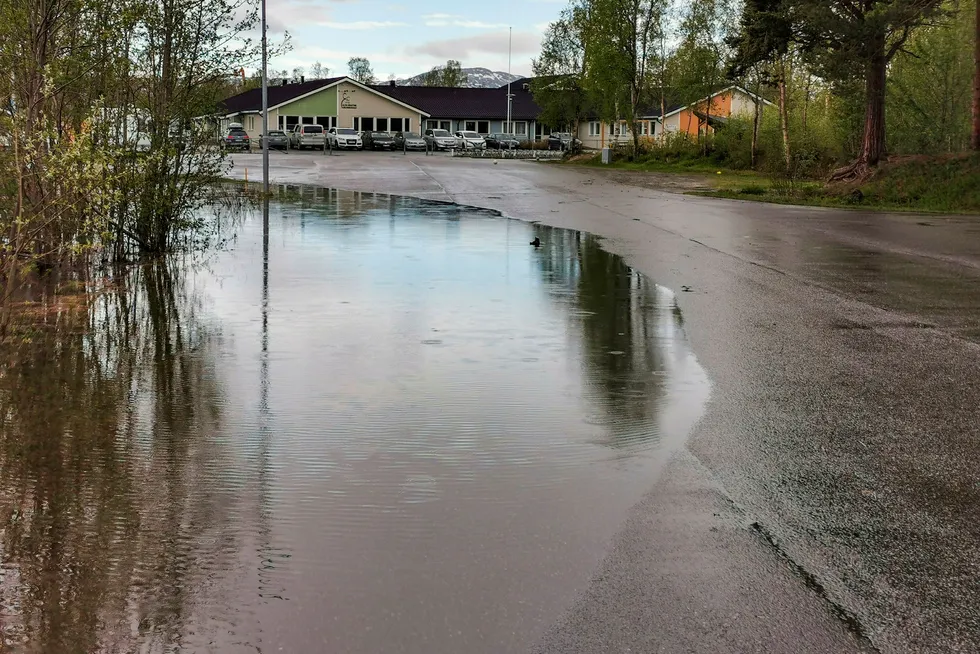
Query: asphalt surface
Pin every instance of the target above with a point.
(829, 499)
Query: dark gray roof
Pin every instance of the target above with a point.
(252, 100)
(437, 101)
(460, 103)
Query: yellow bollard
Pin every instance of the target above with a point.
(246, 179)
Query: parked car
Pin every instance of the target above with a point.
(470, 141)
(277, 140)
(345, 138)
(440, 139)
(378, 141)
(562, 141)
(503, 141)
(409, 141)
(236, 138)
(306, 136)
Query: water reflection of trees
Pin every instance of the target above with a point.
(615, 310)
(103, 425)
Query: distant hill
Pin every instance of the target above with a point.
(477, 78)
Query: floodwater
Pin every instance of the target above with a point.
(391, 427)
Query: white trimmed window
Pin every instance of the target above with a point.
(595, 128)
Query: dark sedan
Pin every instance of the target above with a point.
(563, 141)
(503, 142)
(378, 141)
(277, 140)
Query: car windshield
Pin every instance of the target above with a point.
(470, 135)
(380, 135)
(440, 132)
(410, 135)
(565, 135)
(510, 137)
(346, 132)
(237, 132)
(313, 129)
(277, 133)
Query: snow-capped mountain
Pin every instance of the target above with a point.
(477, 78)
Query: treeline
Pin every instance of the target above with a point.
(849, 81)
(99, 147)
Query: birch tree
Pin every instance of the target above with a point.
(621, 39)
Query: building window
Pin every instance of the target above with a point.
(367, 124)
(645, 128)
(307, 120)
(291, 121)
(408, 125)
(382, 125)
(397, 125)
(432, 124)
(483, 126)
(357, 123)
(446, 125)
(520, 129)
(595, 129)
(470, 125)
(281, 119)
(324, 121)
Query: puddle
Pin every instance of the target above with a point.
(274, 452)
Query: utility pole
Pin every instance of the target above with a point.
(265, 112)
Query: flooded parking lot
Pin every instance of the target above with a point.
(391, 426)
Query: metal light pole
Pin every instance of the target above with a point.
(265, 112)
(510, 44)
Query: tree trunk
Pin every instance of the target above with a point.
(873, 140)
(976, 87)
(784, 118)
(806, 100)
(755, 129)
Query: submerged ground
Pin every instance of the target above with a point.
(841, 433)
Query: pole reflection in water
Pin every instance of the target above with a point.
(447, 424)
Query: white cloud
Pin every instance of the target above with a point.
(361, 24)
(451, 20)
(488, 43)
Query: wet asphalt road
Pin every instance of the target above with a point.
(829, 500)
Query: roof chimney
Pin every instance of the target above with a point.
(285, 81)
(391, 83)
(302, 78)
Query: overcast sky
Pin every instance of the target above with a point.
(404, 38)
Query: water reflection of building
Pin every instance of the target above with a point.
(624, 325)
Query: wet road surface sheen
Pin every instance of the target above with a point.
(400, 428)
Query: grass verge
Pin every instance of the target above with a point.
(929, 184)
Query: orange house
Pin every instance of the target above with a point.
(705, 114)
(692, 119)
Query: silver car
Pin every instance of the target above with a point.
(440, 139)
(409, 141)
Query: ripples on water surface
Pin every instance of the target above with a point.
(409, 431)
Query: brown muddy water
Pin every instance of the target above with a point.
(395, 427)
